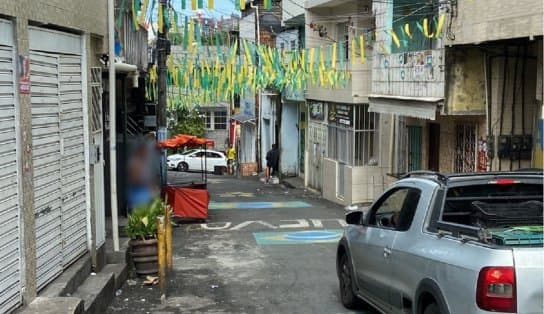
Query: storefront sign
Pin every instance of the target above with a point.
(316, 111)
(341, 114)
(24, 75)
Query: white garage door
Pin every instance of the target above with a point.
(46, 156)
(59, 159)
(10, 241)
(74, 219)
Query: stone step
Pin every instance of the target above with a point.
(54, 305)
(120, 272)
(70, 279)
(97, 292)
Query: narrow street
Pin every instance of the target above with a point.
(264, 249)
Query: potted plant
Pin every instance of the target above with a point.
(142, 230)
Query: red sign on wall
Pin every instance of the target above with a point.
(24, 75)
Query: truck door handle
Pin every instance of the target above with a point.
(386, 252)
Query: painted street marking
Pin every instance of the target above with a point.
(257, 205)
(298, 237)
(247, 223)
(282, 224)
(236, 194)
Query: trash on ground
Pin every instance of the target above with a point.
(151, 280)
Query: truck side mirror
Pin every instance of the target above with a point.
(354, 217)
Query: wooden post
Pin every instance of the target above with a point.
(162, 253)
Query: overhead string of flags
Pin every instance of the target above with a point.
(209, 70)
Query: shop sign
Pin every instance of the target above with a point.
(341, 114)
(316, 111)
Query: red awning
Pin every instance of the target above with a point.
(182, 140)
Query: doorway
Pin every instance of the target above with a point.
(414, 148)
(434, 147)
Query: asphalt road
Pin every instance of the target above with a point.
(264, 249)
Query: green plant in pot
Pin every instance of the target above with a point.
(142, 230)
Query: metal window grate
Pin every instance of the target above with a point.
(356, 145)
(465, 149)
(96, 99)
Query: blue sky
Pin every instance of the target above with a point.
(222, 8)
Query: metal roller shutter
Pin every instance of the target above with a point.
(59, 141)
(74, 219)
(10, 240)
(46, 141)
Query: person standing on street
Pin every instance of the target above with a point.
(272, 162)
(231, 156)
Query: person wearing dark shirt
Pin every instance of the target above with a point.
(272, 162)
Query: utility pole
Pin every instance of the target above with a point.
(113, 126)
(258, 96)
(163, 50)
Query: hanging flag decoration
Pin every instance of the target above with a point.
(160, 22)
(440, 25)
(362, 48)
(210, 72)
(395, 39)
(353, 52)
(135, 6)
(407, 30)
(426, 29)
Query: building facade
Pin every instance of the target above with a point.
(258, 118)
(464, 98)
(498, 46)
(47, 51)
(293, 112)
(345, 155)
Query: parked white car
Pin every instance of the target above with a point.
(196, 160)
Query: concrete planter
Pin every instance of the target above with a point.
(144, 256)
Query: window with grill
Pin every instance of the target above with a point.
(294, 45)
(208, 120)
(354, 142)
(220, 120)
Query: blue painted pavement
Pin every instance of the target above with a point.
(298, 237)
(257, 205)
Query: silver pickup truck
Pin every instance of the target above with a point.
(457, 244)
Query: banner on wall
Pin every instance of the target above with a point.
(316, 111)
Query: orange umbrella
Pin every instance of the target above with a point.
(183, 140)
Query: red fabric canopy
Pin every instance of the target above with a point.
(184, 140)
